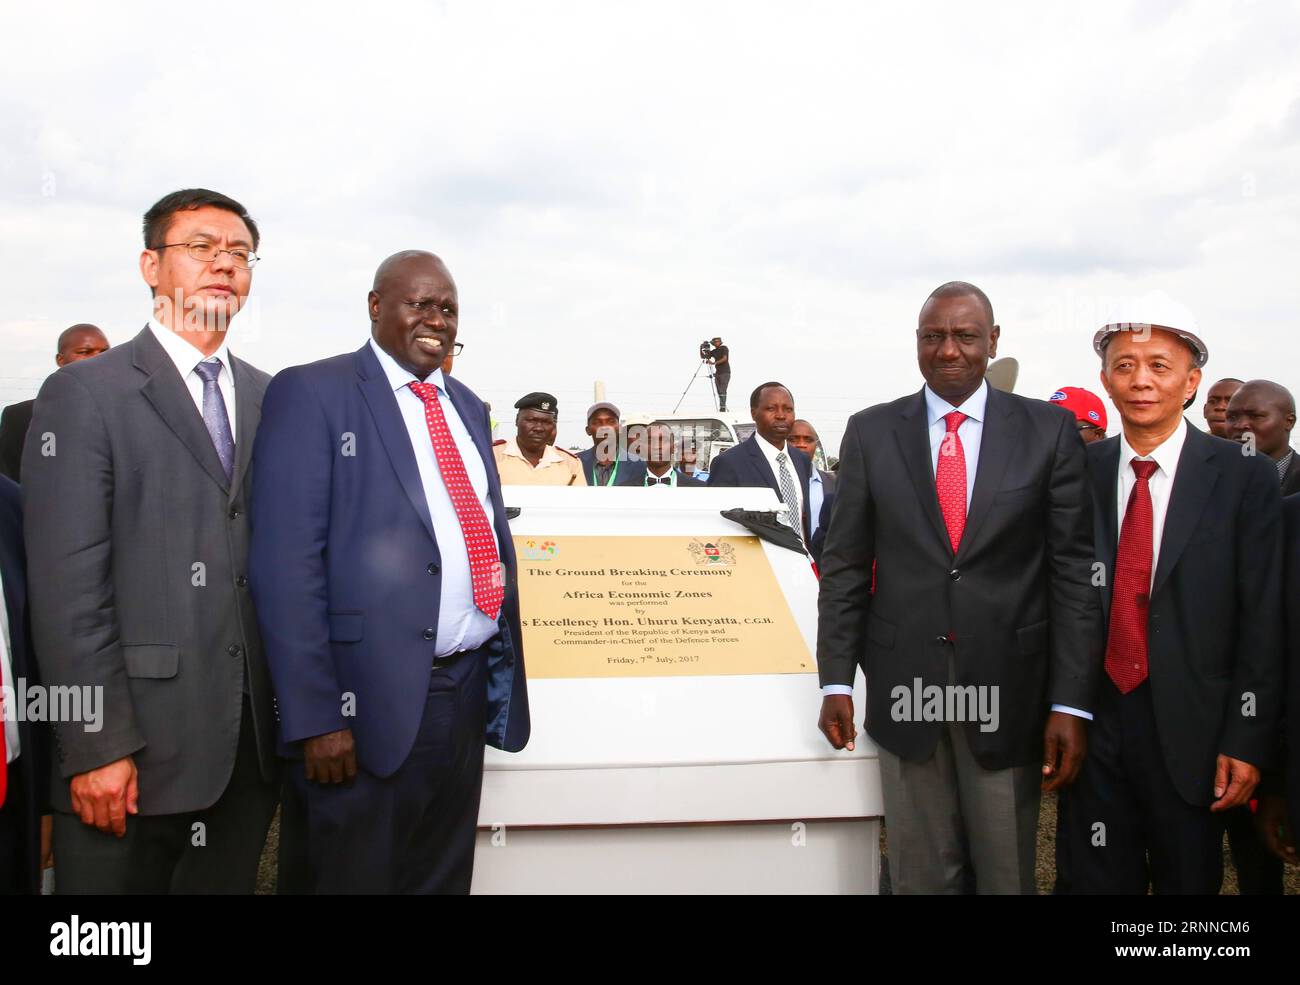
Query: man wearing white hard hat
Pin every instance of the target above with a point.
(1188, 532)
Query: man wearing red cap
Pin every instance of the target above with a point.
(1088, 411)
(1189, 534)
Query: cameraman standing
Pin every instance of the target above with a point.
(718, 358)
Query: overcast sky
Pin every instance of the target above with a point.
(611, 183)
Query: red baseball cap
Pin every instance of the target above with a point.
(1085, 405)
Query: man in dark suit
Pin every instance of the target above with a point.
(135, 482)
(1262, 413)
(821, 486)
(24, 754)
(972, 502)
(605, 463)
(658, 444)
(1189, 546)
(766, 458)
(1279, 797)
(76, 343)
(384, 575)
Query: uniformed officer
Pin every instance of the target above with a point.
(531, 457)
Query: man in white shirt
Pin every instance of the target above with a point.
(973, 506)
(136, 478)
(765, 458)
(1188, 531)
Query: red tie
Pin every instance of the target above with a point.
(484, 564)
(1126, 645)
(950, 479)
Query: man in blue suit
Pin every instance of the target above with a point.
(384, 577)
(24, 755)
(766, 458)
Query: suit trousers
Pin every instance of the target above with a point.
(215, 850)
(949, 818)
(1123, 825)
(15, 833)
(414, 831)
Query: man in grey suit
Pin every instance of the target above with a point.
(980, 639)
(136, 482)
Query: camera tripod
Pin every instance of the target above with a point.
(713, 387)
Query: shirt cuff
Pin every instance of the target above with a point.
(828, 689)
(1073, 711)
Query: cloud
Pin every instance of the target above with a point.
(610, 184)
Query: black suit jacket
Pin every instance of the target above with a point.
(14, 422)
(1291, 477)
(33, 738)
(1214, 627)
(630, 470)
(746, 465)
(1014, 608)
(1291, 604)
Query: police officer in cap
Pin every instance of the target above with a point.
(531, 457)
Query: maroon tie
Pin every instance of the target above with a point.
(1126, 646)
(950, 479)
(484, 565)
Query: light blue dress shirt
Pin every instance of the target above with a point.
(461, 624)
(816, 495)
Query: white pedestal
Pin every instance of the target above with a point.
(677, 784)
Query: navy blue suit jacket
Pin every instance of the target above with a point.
(631, 472)
(345, 567)
(745, 465)
(33, 738)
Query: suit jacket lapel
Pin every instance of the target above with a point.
(248, 411)
(382, 402)
(1104, 473)
(1193, 489)
(996, 444)
(913, 435)
(760, 462)
(166, 391)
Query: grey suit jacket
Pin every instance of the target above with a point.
(137, 558)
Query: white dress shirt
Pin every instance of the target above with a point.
(7, 679)
(185, 356)
(770, 451)
(970, 431)
(816, 496)
(461, 624)
(1161, 484)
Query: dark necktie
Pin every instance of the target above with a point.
(215, 417)
(485, 573)
(950, 479)
(788, 493)
(1130, 600)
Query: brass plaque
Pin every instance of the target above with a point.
(654, 607)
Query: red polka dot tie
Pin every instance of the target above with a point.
(950, 479)
(484, 564)
(1126, 642)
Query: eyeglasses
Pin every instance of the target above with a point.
(458, 348)
(206, 253)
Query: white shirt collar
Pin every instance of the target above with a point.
(185, 356)
(1165, 455)
(770, 451)
(399, 377)
(973, 406)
